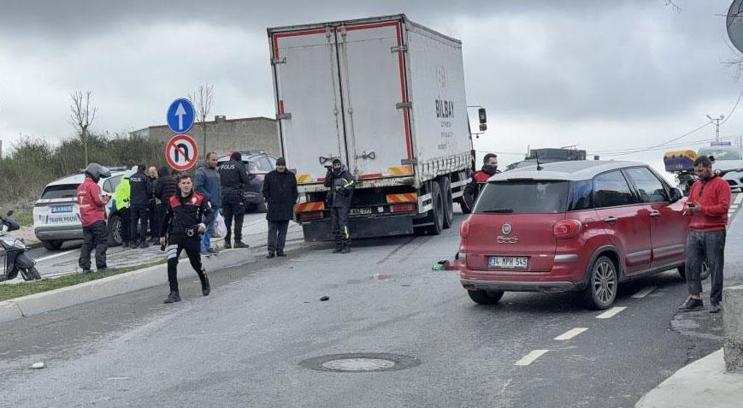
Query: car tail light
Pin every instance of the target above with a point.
(464, 229)
(402, 208)
(567, 229)
(310, 216)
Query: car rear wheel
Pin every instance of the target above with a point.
(705, 271)
(52, 245)
(115, 233)
(485, 297)
(603, 282)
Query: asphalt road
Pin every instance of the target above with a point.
(246, 343)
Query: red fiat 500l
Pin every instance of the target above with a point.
(571, 226)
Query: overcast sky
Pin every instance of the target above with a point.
(607, 76)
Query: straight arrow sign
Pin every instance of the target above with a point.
(180, 112)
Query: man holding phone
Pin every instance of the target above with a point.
(708, 204)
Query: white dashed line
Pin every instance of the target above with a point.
(54, 256)
(641, 294)
(738, 199)
(571, 333)
(611, 312)
(530, 358)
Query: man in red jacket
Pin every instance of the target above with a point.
(708, 204)
(92, 205)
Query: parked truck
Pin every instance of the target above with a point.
(386, 96)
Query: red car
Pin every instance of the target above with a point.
(571, 226)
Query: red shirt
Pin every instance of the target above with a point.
(92, 207)
(481, 177)
(712, 197)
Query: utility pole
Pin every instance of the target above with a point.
(717, 126)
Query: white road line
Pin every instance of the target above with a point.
(571, 333)
(46, 258)
(738, 199)
(641, 294)
(611, 312)
(529, 358)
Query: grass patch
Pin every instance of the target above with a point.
(11, 291)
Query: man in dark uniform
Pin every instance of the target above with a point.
(341, 183)
(479, 178)
(280, 192)
(186, 219)
(234, 178)
(141, 193)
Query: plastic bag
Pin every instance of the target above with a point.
(220, 228)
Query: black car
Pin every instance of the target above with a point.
(258, 164)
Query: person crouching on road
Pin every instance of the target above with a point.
(93, 217)
(341, 185)
(187, 216)
(708, 204)
(280, 192)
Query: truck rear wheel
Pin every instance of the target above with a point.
(436, 215)
(445, 184)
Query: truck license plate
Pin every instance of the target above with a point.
(360, 211)
(508, 262)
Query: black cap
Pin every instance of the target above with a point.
(280, 161)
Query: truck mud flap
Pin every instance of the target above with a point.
(360, 228)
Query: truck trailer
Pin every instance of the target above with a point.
(386, 96)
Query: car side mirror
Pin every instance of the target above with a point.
(676, 195)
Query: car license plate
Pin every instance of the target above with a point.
(508, 262)
(61, 209)
(360, 211)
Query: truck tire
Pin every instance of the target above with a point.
(437, 211)
(445, 184)
(52, 245)
(115, 233)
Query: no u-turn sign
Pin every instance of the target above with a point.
(181, 152)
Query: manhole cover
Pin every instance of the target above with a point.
(360, 362)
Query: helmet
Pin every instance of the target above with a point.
(97, 171)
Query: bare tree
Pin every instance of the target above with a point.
(83, 115)
(203, 99)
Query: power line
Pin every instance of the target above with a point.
(667, 142)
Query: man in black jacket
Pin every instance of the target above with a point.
(234, 179)
(341, 185)
(152, 217)
(166, 187)
(186, 219)
(280, 192)
(141, 193)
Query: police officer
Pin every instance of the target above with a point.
(341, 183)
(479, 178)
(141, 192)
(187, 216)
(234, 178)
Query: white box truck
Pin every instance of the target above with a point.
(386, 96)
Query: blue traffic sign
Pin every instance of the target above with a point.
(181, 115)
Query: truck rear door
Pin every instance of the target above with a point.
(308, 98)
(372, 67)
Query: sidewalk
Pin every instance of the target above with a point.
(703, 383)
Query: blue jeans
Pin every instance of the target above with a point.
(709, 246)
(206, 243)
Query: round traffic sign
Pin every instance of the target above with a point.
(181, 115)
(181, 152)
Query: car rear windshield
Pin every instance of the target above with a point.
(62, 191)
(523, 197)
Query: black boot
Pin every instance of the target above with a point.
(240, 244)
(270, 255)
(345, 247)
(338, 246)
(227, 244)
(205, 288)
(173, 297)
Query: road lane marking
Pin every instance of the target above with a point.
(738, 198)
(46, 258)
(530, 358)
(641, 294)
(571, 333)
(611, 312)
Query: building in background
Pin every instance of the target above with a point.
(226, 135)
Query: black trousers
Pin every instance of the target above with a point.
(138, 214)
(277, 235)
(233, 207)
(159, 215)
(154, 222)
(125, 222)
(192, 245)
(94, 236)
(339, 219)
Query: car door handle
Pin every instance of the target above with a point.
(655, 213)
(611, 219)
